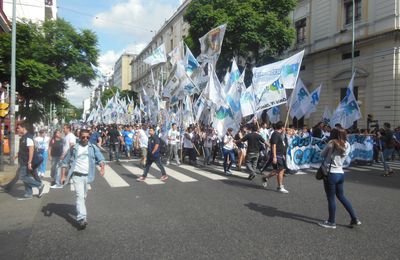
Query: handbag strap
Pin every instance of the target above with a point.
(330, 164)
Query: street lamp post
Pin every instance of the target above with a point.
(12, 101)
(353, 38)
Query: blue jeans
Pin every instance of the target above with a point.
(334, 186)
(149, 162)
(231, 154)
(42, 167)
(114, 150)
(128, 149)
(387, 154)
(55, 172)
(81, 188)
(207, 155)
(29, 181)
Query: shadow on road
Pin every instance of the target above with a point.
(275, 212)
(65, 211)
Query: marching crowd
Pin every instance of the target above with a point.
(74, 152)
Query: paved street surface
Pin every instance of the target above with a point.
(199, 213)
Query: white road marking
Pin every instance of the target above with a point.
(203, 173)
(150, 180)
(113, 179)
(176, 175)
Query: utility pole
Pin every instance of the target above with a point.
(12, 101)
(353, 37)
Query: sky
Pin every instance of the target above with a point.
(121, 25)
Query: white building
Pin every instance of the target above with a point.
(324, 30)
(35, 11)
(123, 71)
(171, 34)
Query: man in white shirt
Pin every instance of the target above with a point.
(142, 139)
(173, 136)
(81, 160)
(27, 166)
(69, 141)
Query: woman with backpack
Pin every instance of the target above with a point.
(335, 153)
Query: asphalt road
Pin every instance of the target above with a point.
(202, 214)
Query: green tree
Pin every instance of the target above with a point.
(48, 55)
(257, 30)
(111, 92)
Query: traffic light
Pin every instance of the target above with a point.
(3, 109)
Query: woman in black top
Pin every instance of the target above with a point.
(55, 152)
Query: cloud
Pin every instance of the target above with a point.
(76, 93)
(136, 17)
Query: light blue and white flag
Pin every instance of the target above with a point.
(158, 56)
(348, 110)
(234, 76)
(233, 96)
(191, 64)
(211, 43)
(326, 117)
(287, 71)
(299, 100)
(274, 114)
(248, 102)
(222, 119)
(313, 102)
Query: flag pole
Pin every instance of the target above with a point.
(288, 111)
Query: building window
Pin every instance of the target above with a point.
(347, 55)
(301, 30)
(348, 7)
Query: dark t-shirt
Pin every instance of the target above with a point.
(278, 139)
(153, 140)
(56, 147)
(114, 134)
(254, 142)
(388, 140)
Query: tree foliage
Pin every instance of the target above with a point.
(257, 30)
(48, 54)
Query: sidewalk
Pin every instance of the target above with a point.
(8, 175)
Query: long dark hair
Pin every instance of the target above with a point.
(338, 139)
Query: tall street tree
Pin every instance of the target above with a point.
(257, 30)
(48, 55)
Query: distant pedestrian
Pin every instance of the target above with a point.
(335, 153)
(115, 140)
(42, 146)
(388, 142)
(27, 169)
(173, 137)
(81, 161)
(153, 155)
(55, 153)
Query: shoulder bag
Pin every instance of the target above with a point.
(323, 171)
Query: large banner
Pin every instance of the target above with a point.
(304, 152)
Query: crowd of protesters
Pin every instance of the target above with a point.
(257, 146)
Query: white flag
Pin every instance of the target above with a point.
(287, 71)
(274, 114)
(348, 110)
(314, 100)
(234, 76)
(299, 100)
(213, 91)
(211, 43)
(326, 117)
(158, 56)
(248, 102)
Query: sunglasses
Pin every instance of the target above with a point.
(85, 137)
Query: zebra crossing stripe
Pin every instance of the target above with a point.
(150, 180)
(203, 173)
(235, 173)
(113, 179)
(358, 169)
(176, 175)
(46, 189)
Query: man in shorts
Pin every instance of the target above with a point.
(278, 148)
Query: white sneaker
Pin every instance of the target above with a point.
(282, 190)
